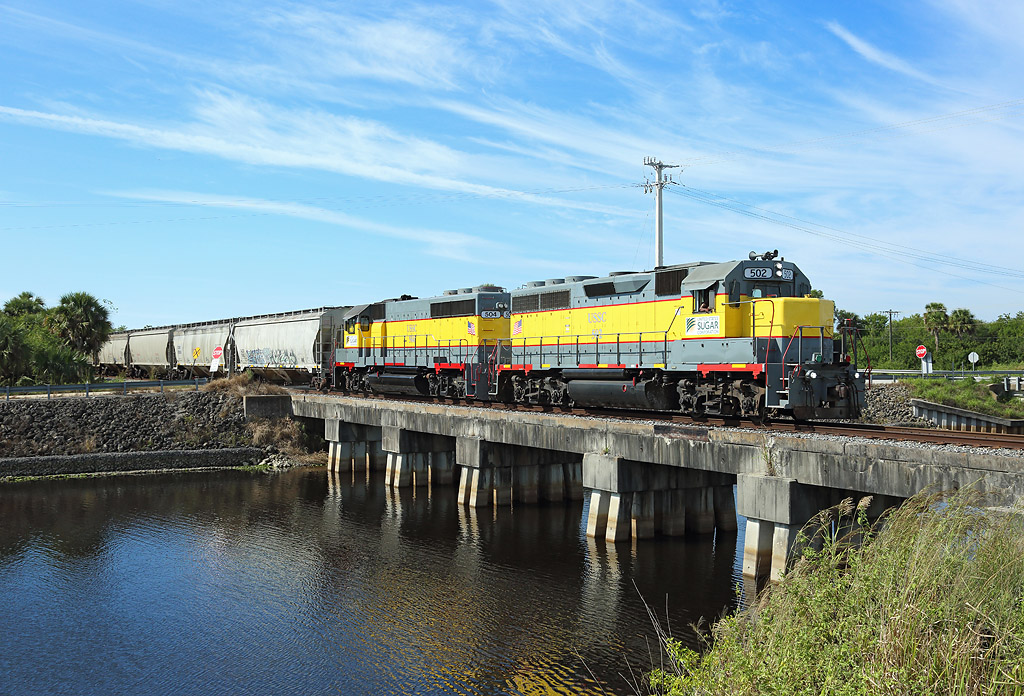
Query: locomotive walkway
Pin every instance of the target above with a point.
(645, 478)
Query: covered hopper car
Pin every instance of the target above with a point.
(288, 347)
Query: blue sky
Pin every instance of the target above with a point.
(190, 161)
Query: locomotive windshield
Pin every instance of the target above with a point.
(771, 290)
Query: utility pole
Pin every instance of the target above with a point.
(657, 186)
(891, 313)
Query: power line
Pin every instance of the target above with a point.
(843, 236)
(902, 257)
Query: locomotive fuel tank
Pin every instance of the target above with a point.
(389, 383)
(620, 394)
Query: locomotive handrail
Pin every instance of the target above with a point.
(519, 349)
(457, 349)
(800, 329)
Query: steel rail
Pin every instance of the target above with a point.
(935, 436)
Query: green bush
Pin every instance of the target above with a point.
(933, 603)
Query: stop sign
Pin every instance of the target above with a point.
(217, 352)
(920, 352)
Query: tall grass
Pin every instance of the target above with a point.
(933, 603)
(242, 384)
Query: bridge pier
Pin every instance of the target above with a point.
(637, 500)
(506, 474)
(665, 479)
(778, 508)
(416, 459)
(349, 445)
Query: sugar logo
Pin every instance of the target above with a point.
(702, 326)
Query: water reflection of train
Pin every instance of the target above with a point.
(739, 338)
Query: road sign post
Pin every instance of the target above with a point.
(215, 363)
(973, 358)
(926, 359)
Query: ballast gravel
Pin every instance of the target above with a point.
(892, 400)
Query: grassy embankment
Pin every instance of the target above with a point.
(933, 603)
(286, 434)
(966, 394)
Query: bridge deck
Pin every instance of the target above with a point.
(854, 464)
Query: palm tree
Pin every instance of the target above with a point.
(13, 351)
(57, 364)
(962, 322)
(82, 321)
(25, 303)
(936, 320)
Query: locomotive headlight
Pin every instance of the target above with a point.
(778, 265)
(500, 305)
(812, 375)
(778, 273)
(856, 375)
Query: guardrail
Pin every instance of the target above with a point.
(892, 375)
(122, 387)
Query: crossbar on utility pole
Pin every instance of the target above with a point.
(657, 187)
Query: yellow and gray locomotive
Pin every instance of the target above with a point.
(739, 338)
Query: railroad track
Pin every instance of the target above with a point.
(936, 436)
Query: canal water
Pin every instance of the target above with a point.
(240, 582)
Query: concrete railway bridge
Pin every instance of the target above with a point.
(644, 479)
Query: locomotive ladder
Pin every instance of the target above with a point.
(798, 335)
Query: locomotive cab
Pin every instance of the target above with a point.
(794, 339)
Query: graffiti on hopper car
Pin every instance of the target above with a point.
(269, 356)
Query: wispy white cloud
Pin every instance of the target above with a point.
(457, 246)
(331, 44)
(875, 55)
(33, 24)
(448, 244)
(1002, 20)
(244, 130)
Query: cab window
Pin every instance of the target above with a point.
(364, 323)
(704, 300)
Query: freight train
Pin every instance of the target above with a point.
(738, 338)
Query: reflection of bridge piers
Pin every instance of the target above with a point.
(645, 479)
